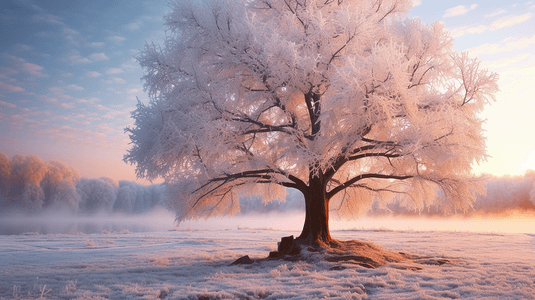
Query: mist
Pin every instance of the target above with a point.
(51, 197)
(27, 184)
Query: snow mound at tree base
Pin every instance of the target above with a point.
(355, 252)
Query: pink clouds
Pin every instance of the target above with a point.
(507, 21)
(33, 69)
(116, 38)
(75, 87)
(114, 71)
(98, 57)
(7, 104)
(93, 74)
(47, 99)
(17, 65)
(10, 88)
(458, 10)
(67, 105)
(97, 44)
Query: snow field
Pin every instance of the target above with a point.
(195, 265)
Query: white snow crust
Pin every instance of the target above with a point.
(194, 264)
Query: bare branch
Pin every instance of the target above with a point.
(353, 180)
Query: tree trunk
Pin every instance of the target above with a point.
(316, 227)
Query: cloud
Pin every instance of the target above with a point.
(7, 104)
(75, 87)
(77, 59)
(97, 44)
(116, 38)
(23, 47)
(458, 10)
(504, 22)
(48, 99)
(70, 31)
(56, 90)
(91, 100)
(98, 56)
(510, 21)
(67, 105)
(18, 64)
(33, 69)
(10, 88)
(48, 18)
(71, 36)
(496, 13)
(506, 62)
(119, 80)
(93, 74)
(114, 71)
(104, 128)
(134, 25)
(503, 46)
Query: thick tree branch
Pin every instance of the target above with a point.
(262, 176)
(353, 180)
(312, 101)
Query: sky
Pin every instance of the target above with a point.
(69, 77)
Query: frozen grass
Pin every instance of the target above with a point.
(195, 265)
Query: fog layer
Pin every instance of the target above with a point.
(27, 184)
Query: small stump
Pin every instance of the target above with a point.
(244, 260)
(287, 246)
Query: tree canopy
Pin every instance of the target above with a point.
(348, 101)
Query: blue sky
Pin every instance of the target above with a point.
(69, 78)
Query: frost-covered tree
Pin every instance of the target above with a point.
(347, 101)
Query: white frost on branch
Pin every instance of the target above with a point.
(254, 96)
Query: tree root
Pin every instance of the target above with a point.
(364, 254)
(361, 253)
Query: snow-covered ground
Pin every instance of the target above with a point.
(193, 263)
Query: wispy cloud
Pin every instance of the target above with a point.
(97, 44)
(134, 25)
(93, 74)
(75, 87)
(23, 47)
(10, 88)
(458, 10)
(119, 80)
(104, 128)
(72, 36)
(510, 21)
(116, 38)
(508, 62)
(504, 22)
(92, 100)
(47, 99)
(496, 13)
(33, 69)
(98, 57)
(74, 58)
(48, 18)
(56, 90)
(20, 65)
(503, 46)
(67, 105)
(114, 71)
(7, 104)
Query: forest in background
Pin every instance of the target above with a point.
(29, 184)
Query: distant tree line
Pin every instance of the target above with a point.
(29, 184)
